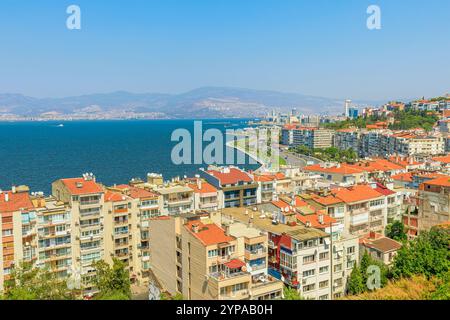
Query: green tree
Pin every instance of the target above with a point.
(112, 281)
(28, 283)
(396, 231)
(291, 294)
(356, 283)
(428, 254)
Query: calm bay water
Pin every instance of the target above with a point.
(38, 153)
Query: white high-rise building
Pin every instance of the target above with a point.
(348, 103)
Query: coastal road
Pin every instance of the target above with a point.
(294, 159)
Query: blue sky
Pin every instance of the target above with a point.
(315, 47)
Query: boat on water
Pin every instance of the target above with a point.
(60, 125)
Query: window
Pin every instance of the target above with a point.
(323, 284)
(323, 256)
(212, 253)
(351, 250)
(323, 269)
(350, 264)
(309, 273)
(309, 287)
(338, 268)
(375, 203)
(309, 259)
(324, 297)
(7, 232)
(288, 261)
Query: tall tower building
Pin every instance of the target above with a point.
(347, 107)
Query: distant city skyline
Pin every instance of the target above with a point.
(319, 48)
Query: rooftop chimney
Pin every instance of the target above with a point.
(227, 229)
(321, 218)
(13, 189)
(195, 228)
(6, 196)
(199, 183)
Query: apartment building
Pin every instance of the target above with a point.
(18, 238)
(56, 246)
(361, 171)
(312, 137)
(175, 198)
(194, 256)
(85, 198)
(347, 139)
(434, 203)
(206, 196)
(267, 185)
(297, 255)
(365, 208)
(238, 187)
(144, 206)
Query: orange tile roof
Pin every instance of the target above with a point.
(114, 196)
(135, 192)
(284, 206)
(208, 234)
(442, 182)
(444, 159)
(16, 202)
(407, 177)
(356, 193)
(313, 219)
(326, 201)
(235, 264)
(232, 177)
(378, 165)
(86, 186)
(205, 188)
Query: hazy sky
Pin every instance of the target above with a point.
(314, 47)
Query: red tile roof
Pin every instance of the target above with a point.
(208, 234)
(384, 190)
(378, 165)
(16, 202)
(234, 176)
(79, 186)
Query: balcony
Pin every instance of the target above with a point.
(235, 295)
(208, 205)
(255, 254)
(362, 210)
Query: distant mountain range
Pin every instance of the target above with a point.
(207, 102)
